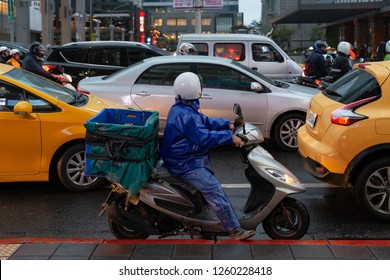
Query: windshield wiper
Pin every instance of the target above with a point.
(78, 98)
(332, 92)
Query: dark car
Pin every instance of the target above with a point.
(96, 58)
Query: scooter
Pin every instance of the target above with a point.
(313, 82)
(167, 206)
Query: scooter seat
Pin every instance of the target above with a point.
(161, 172)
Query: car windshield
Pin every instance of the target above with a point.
(353, 86)
(257, 74)
(42, 84)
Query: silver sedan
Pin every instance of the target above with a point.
(276, 107)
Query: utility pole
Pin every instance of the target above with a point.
(22, 21)
(198, 15)
(66, 21)
(47, 22)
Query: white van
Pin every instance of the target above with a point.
(258, 52)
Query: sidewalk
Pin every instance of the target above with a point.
(192, 249)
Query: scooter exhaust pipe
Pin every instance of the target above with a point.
(129, 220)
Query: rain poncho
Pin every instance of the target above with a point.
(187, 138)
(189, 135)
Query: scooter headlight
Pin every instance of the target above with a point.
(281, 176)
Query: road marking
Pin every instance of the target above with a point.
(6, 250)
(307, 185)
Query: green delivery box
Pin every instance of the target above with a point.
(122, 145)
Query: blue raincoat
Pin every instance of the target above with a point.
(188, 136)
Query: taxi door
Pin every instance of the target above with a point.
(20, 137)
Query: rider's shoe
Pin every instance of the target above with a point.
(241, 234)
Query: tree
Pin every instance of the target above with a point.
(282, 36)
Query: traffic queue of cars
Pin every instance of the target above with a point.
(342, 133)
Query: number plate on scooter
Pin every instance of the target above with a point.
(311, 120)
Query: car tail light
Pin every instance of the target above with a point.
(49, 67)
(84, 92)
(346, 115)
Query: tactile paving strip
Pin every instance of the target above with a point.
(6, 250)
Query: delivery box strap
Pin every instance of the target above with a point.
(97, 137)
(120, 155)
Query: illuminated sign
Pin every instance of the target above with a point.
(177, 4)
(141, 16)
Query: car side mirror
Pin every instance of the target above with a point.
(24, 108)
(255, 86)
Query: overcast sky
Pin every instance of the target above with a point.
(251, 10)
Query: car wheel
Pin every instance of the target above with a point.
(372, 189)
(286, 131)
(70, 170)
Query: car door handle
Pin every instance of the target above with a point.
(143, 93)
(254, 68)
(206, 96)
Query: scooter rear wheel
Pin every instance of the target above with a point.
(289, 220)
(122, 232)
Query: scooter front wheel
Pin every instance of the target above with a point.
(289, 220)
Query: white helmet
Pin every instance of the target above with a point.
(387, 48)
(187, 49)
(344, 47)
(14, 51)
(187, 86)
(3, 48)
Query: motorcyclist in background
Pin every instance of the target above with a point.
(4, 54)
(342, 64)
(187, 49)
(387, 51)
(34, 59)
(317, 59)
(15, 58)
(188, 136)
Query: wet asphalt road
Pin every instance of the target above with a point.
(46, 210)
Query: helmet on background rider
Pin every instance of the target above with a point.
(344, 47)
(14, 51)
(3, 49)
(37, 49)
(387, 47)
(188, 86)
(187, 49)
(319, 45)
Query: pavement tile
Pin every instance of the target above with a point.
(232, 252)
(271, 252)
(75, 249)
(382, 253)
(192, 252)
(152, 252)
(310, 252)
(42, 251)
(113, 250)
(351, 252)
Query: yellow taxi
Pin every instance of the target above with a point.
(346, 138)
(42, 130)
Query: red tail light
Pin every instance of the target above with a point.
(346, 115)
(49, 67)
(84, 92)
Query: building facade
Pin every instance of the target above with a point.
(363, 23)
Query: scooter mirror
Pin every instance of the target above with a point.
(237, 109)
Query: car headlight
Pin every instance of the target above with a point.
(281, 176)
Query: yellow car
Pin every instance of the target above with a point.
(42, 133)
(346, 138)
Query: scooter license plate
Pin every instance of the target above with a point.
(311, 120)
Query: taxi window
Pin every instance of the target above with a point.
(234, 51)
(356, 85)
